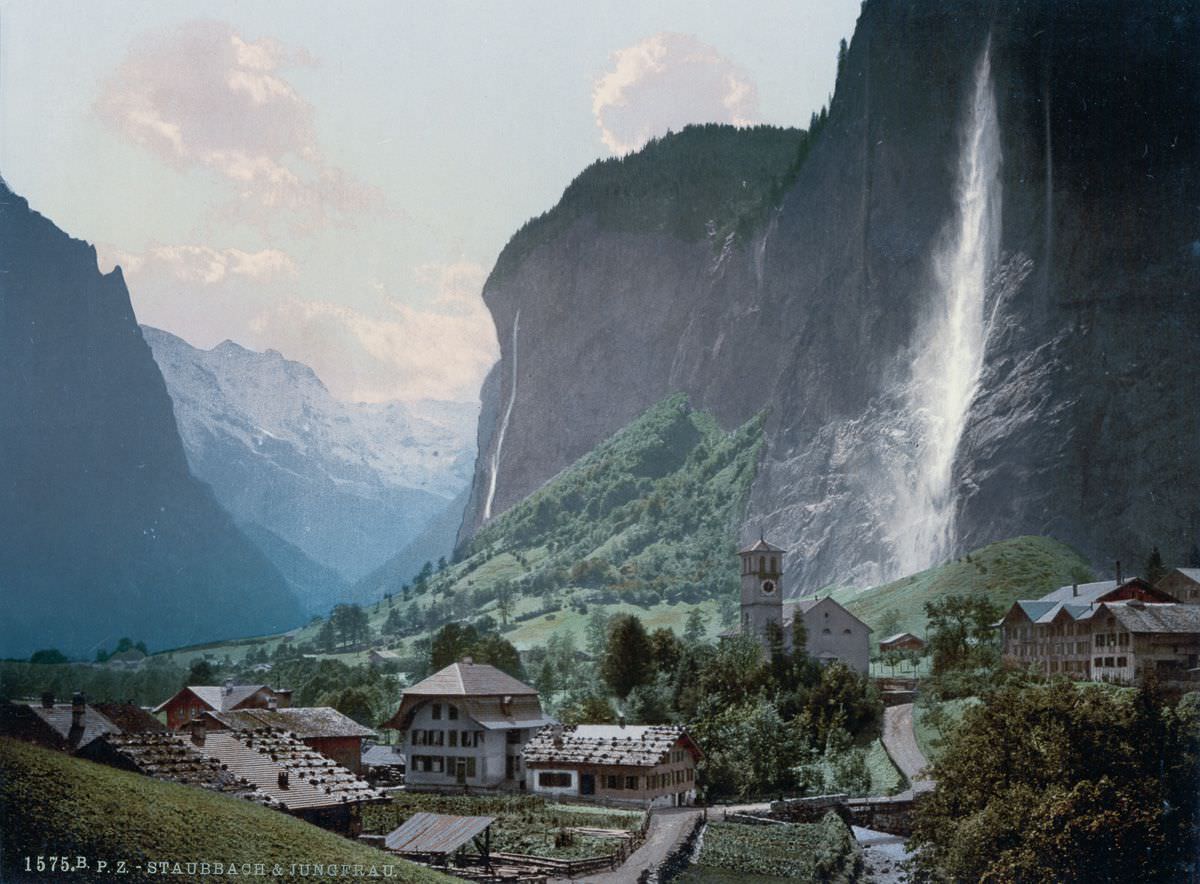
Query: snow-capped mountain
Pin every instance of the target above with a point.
(349, 484)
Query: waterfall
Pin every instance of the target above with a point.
(512, 397)
(950, 343)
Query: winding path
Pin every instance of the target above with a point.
(668, 827)
(900, 741)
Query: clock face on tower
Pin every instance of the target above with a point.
(768, 586)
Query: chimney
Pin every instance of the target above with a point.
(196, 726)
(1075, 589)
(228, 689)
(78, 703)
(467, 661)
(557, 733)
(283, 779)
(621, 721)
(48, 700)
(1118, 572)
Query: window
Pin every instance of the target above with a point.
(436, 710)
(437, 764)
(631, 782)
(612, 781)
(418, 738)
(436, 738)
(514, 737)
(1121, 661)
(1108, 662)
(452, 712)
(554, 780)
(454, 739)
(471, 765)
(1097, 662)
(1099, 639)
(1123, 639)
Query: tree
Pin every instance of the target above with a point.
(49, 655)
(696, 627)
(960, 632)
(351, 624)
(504, 601)
(393, 625)
(590, 710)
(889, 623)
(1155, 569)
(665, 648)
(452, 642)
(1055, 783)
(628, 656)
(596, 633)
(498, 652)
(326, 639)
(1194, 556)
(201, 672)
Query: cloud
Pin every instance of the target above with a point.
(202, 96)
(199, 264)
(666, 82)
(439, 351)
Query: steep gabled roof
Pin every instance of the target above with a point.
(215, 696)
(804, 605)
(170, 756)
(306, 723)
(608, 745)
(467, 679)
(260, 757)
(130, 718)
(60, 716)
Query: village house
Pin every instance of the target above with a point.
(1105, 631)
(1183, 584)
(194, 700)
(264, 765)
(465, 726)
(321, 728)
(831, 632)
(72, 727)
(902, 641)
(644, 765)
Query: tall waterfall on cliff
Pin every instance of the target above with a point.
(512, 397)
(950, 344)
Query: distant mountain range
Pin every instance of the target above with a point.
(344, 485)
(104, 532)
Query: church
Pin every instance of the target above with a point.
(833, 633)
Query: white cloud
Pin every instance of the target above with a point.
(201, 96)
(666, 82)
(398, 351)
(198, 264)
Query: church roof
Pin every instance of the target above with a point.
(761, 545)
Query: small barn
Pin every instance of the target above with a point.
(434, 837)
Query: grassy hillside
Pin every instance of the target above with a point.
(1020, 568)
(55, 805)
(646, 522)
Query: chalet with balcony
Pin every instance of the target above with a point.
(465, 727)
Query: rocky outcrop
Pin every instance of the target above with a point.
(105, 533)
(1080, 419)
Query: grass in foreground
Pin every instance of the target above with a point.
(824, 851)
(524, 823)
(55, 805)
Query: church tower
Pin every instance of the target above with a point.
(762, 588)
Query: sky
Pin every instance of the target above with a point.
(335, 180)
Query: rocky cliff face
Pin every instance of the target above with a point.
(971, 312)
(349, 484)
(103, 530)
